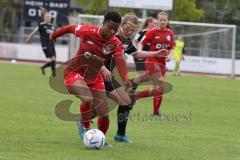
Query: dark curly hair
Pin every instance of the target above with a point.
(112, 16)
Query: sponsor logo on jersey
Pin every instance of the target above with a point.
(158, 46)
(88, 55)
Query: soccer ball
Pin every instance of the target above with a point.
(94, 139)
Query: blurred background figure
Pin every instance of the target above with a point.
(148, 24)
(45, 28)
(179, 51)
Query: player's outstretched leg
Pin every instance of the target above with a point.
(122, 118)
(121, 97)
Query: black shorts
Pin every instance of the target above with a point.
(139, 64)
(110, 86)
(49, 50)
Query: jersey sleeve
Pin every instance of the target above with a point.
(64, 30)
(147, 37)
(136, 37)
(131, 49)
(141, 34)
(82, 30)
(77, 30)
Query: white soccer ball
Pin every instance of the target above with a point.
(13, 61)
(94, 139)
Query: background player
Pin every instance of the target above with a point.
(142, 76)
(148, 24)
(85, 72)
(45, 28)
(179, 50)
(158, 38)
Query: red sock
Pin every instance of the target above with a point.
(157, 100)
(143, 94)
(86, 115)
(103, 125)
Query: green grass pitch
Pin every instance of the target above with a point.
(202, 121)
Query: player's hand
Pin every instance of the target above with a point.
(168, 58)
(162, 53)
(107, 75)
(27, 40)
(51, 37)
(127, 84)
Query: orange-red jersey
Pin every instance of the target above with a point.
(94, 50)
(158, 39)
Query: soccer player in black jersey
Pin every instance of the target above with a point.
(45, 28)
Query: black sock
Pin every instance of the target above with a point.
(48, 64)
(122, 118)
(53, 67)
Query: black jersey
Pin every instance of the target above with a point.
(45, 30)
(139, 37)
(128, 47)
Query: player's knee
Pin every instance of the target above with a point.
(88, 101)
(125, 101)
(158, 90)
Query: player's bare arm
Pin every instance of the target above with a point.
(30, 36)
(169, 55)
(121, 67)
(107, 75)
(64, 30)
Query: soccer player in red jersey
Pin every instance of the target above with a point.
(148, 24)
(159, 38)
(85, 74)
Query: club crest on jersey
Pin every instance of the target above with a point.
(169, 38)
(108, 48)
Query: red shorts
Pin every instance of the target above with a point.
(72, 77)
(155, 67)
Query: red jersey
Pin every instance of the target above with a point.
(93, 52)
(158, 39)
